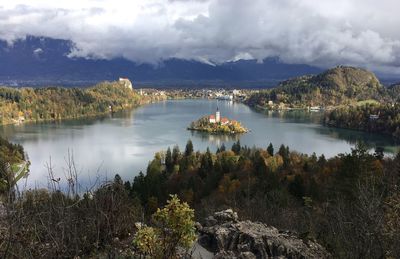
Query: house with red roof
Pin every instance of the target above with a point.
(212, 118)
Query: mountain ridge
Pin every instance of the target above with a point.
(39, 59)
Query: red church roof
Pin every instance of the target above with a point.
(223, 120)
(212, 116)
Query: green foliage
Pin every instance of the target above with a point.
(174, 228)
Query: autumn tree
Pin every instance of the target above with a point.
(173, 229)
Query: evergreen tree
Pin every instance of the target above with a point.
(270, 149)
(189, 148)
(236, 147)
(118, 179)
(206, 164)
(284, 152)
(176, 153)
(168, 161)
(222, 148)
(127, 186)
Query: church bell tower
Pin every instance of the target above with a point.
(217, 116)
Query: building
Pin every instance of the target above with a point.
(217, 118)
(212, 118)
(224, 121)
(126, 82)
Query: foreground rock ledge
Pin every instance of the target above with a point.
(227, 237)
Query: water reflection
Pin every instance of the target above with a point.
(353, 137)
(215, 139)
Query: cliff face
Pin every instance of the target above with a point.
(227, 237)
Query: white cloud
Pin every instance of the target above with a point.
(323, 33)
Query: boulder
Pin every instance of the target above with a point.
(227, 237)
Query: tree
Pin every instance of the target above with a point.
(206, 164)
(168, 161)
(270, 149)
(176, 153)
(118, 179)
(284, 152)
(222, 148)
(236, 147)
(189, 148)
(173, 229)
(296, 187)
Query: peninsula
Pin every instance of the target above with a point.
(214, 124)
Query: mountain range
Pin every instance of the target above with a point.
(44, 61)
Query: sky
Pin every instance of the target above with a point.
(322, 33)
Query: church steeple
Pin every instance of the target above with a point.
(217, 115)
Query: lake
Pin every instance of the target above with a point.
(124, 143)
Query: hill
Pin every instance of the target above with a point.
(394, 91)
(45, 61)
(52, 103)
(336, 86)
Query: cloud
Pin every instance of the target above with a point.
(322, 33)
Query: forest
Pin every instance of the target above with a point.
(55, 103)
(374, 118)
(349, 203)
(334, 87)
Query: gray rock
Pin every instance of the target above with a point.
(226, 216)
(227, 237)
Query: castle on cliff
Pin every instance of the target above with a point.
(126, 82)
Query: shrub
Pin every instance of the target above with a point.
(173, 229)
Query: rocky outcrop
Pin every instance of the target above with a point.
(227, 237)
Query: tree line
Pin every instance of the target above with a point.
(374, 118)
(54, 103)
(347, 202)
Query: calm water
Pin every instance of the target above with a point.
(124, 143)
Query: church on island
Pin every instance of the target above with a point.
(215, 124)
(217, 118)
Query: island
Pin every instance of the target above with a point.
(214, 124)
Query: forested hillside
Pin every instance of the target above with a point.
(337, 86)
(342, 201)
(353, 98)
(53, 103)
(370, 118)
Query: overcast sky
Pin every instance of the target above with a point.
(316, 32)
